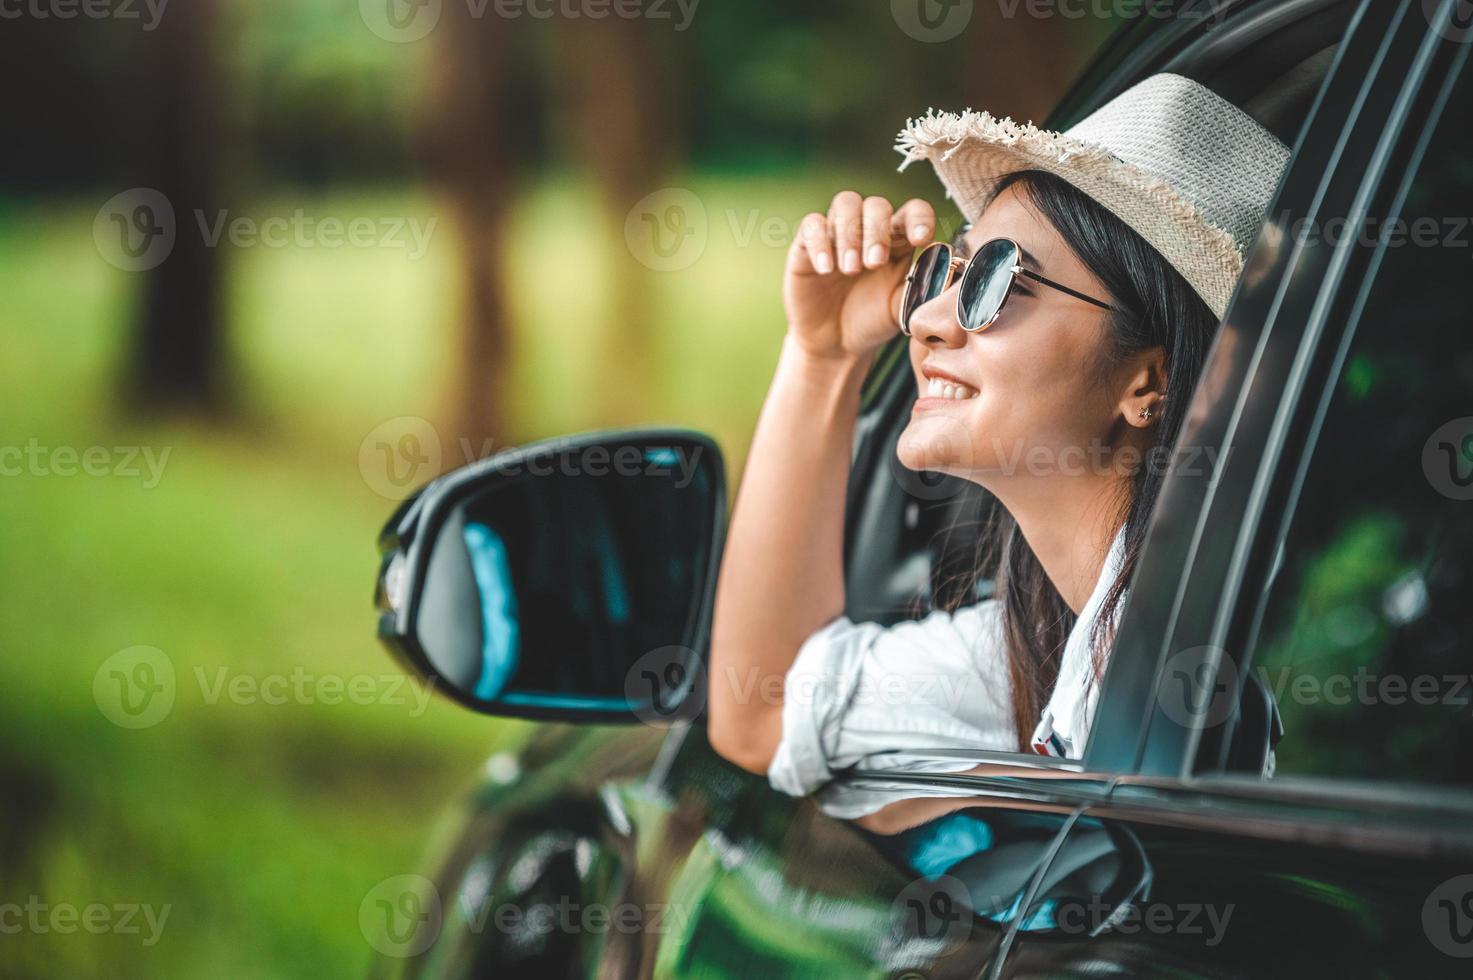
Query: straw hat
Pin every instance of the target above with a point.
(1188, 170)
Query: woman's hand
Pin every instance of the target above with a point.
(846, 273)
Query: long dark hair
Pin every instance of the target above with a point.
(1155, 307)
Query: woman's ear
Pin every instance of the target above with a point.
(1144, 387)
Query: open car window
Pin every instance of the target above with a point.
(1366, 615)
(913, 538)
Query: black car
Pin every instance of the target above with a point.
(1278, 780)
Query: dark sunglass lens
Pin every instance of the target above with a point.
(928, 280)
(986, 283)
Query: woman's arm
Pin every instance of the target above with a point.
(782, 574)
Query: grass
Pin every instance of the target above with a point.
(262, 826)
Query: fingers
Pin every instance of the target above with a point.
(914, 223)
(860, 233)
(846, 224)
(877, 215)
(814, 235)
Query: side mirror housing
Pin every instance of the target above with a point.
(569, 580)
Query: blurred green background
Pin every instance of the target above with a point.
(269, 368)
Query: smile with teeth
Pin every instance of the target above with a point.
(954, 390)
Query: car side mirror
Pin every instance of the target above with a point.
(568, 580)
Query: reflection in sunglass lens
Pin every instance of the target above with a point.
(985, 285)
(928, 279)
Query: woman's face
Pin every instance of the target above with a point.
(1031, 401)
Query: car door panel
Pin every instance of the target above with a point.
(1225, 903)
(773, 887)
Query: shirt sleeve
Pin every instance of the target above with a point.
(859, 691)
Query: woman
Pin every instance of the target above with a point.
(1055, 347)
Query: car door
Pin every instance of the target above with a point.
(1324, 607)
(944, 882)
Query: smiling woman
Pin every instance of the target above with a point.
(1065, 326)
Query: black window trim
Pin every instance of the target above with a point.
(1175, 564)
(1190, 760)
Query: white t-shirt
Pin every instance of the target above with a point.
(858, 692)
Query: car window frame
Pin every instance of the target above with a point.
(1119, 729)
(1304, 345)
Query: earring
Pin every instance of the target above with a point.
(1145, 414)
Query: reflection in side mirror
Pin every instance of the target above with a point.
(567, 580)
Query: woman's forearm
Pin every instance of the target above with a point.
(782, 573)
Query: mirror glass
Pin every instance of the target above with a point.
(574, 581)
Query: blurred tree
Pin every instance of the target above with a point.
(480, 131)
(470, 139)
(177, 357)
(1022, 66)
(624, 134)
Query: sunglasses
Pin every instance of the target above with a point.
(986, 282)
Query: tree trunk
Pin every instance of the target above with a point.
(178, 350)
(469, 143)
(624, 134)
